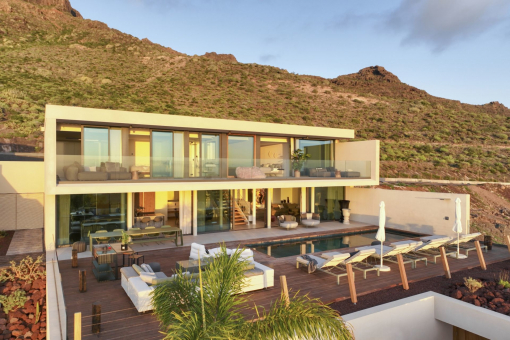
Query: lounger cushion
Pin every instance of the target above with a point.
(253, 272)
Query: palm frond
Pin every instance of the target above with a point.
(303, 318)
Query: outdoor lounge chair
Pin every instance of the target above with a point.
(465, 243)
(334, 264)
(357, 261)
(402, 247)
(431, 245)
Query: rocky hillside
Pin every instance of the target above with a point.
(49, 54)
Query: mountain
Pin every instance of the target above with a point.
(50, 54)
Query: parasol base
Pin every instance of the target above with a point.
(459, 256)
(382, 268)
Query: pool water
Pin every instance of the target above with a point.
(322, 243)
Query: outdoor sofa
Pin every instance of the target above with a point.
(257, 275)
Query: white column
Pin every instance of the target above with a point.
(254, 206)
(50, 223)
(312, 200)
(303, 201)
(195, 214)
(269, 199)
(129, 211)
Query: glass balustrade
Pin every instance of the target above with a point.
(79, 168)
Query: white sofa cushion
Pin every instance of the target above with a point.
(197, 249)
(147, 277)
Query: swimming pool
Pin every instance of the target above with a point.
(293, 247)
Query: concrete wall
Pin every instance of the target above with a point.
(21, 195)
(422, 212)
(426, 316)
(351, 156)
(407, 319)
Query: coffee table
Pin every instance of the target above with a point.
(190, 266)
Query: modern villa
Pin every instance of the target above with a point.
(112, 170)
(179, 186)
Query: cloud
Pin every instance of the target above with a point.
(441, 23)
(268, 57)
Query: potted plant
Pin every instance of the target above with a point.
(124, 241)
(298, 159)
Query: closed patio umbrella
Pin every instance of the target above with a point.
(381, 235)
(457, 227)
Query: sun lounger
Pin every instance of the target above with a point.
(390, 252)
(465, 243)
(357, 261)
(328, 266)
(431, 245)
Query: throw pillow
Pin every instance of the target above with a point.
(147, 268)
(138, 269)
(72, 173)
(308, 216)
(289, 218)
(147, 277)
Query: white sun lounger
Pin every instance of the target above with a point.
(464, 243)
(431, 244)
(356, 261)
(332, 265)
(401, 247)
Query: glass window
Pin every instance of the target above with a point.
(240, 153)
(213, 210)
(95, 146)
(327, 203)
(319, 151)
(210, 155)
(77, 215)
(162, 154)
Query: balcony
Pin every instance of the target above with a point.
(83, 169)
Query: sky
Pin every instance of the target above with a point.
(455, 49)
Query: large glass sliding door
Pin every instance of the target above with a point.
(320, 152)
(210, 155)
(240, 153)
(77, 215)
(214, 211)
(95, 146)
(162, 154)
(326, 202)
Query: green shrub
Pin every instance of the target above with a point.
(15, 300)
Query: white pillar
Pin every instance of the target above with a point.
(254, 206)
(303, 201)
(129, 211)
(50, 223)
(312, 200)
(195, 213)
(269, 199)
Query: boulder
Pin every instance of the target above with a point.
(456, 294)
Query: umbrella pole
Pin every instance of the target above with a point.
(458, 247)
(381, 254)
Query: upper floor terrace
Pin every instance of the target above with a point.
(90, 146)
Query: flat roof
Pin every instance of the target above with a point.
(80, 115)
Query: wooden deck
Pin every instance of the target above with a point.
(120, 320)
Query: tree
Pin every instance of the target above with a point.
(214, 312)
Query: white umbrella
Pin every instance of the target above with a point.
(457, 227)
(381, 235)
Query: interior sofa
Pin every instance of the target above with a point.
(107, 171)
(330, 172)
(270, 170)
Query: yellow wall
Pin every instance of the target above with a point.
(21, 195)
(22, 177)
